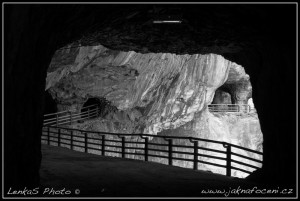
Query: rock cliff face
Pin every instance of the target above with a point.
(167, 89)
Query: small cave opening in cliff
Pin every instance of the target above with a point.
(91, 102)
(222, 96)
(50, 104)
(235, 95)
(104, 106)
(90, 107)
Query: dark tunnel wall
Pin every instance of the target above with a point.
(50, 105)
(33, 33)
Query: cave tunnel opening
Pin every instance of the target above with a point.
(236, 91)
(90, 105)
(104, 106)
(222, 97)
(50, 104)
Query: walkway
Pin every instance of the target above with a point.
(101, 176)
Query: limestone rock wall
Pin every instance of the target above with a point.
(167, 89)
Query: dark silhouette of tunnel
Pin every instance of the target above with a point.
(32, 34)
(50, 104)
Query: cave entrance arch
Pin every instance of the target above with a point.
(103, 105)
(89, 108)
(222, 97)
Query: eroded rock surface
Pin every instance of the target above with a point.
(166, 88)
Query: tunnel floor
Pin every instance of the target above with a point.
(87, 175)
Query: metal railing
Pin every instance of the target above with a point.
(140, 145)
(230, 108)
(69, 116)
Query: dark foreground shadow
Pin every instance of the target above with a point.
(66, 173)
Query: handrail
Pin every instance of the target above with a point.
(66, 111)
(230, 104)
(230, 108)
(172, 137)
(68, 117)
(169, 147)
(46, 115)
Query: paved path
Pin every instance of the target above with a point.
(101, 176)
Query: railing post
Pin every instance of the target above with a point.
(228, 159)
(71, 139)
(146, 148)
(48, 129)
(85, 143)
(59, 137)
(123, 147)
(195, 155)
(170, 152)
(56, 120)
(103, 145)
(238, 108)
(70, 117)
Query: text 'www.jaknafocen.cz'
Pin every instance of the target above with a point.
(255, 191)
